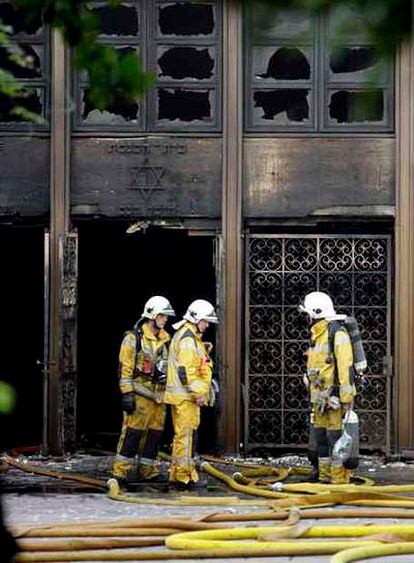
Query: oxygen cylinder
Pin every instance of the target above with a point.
(351, 427)
(360, 360)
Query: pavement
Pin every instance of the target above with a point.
(32, 500)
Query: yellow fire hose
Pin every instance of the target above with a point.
(358, 553)
(300, 488)
(116, 494)
(220, 539)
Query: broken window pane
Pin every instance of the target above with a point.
(357, 106)
(184, 18)
(33, 102)
(267, 21)
(284, 63)
(184, 105)
(186, 62)
(20, 20)
(33, 62)
(286, 105)
(120, 20)
(357, 64)
(122, 50)
(120, 111)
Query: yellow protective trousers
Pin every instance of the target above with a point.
(140, 436)
(186, 420)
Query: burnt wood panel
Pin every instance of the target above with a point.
(24, 178)
(299, 177)
(162, 177)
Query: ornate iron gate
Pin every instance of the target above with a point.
(356, 272)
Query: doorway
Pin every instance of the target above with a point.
(21, 331)
(118, 272)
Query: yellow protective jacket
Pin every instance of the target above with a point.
(189, 367)
(137, 370)
(321, 364)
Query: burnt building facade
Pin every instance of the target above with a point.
(266, 161)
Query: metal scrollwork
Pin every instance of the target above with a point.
(336, 254)
(265, 392)
(355, 271)
(265, 322)
(338, 286)
(265, 426)
(265, 254)
(300, 254)
(298, 285)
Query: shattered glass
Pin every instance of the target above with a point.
(33, 55)
(186, 62)
(184, 105)
(354, 106)
(120, 20)
(357, 64)
(18, 19)
(33, 102)
(282, 63)
(183, 18)
(119, 112)
(282, 106)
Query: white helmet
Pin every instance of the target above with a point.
(317, 305)
(201, 310)
(157, 305)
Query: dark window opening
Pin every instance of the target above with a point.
(184, 105)
(357, 107)
(122, 20)
(186, 19)
(288, 64)
(127, 109)
(33, 68)
(186, 62)
(32, 102)
(352, 59)
(273, 102)
(19, 19)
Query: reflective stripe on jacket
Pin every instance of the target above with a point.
(136, 371)
(321, 366)
(189, 367)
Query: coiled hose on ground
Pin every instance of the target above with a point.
(207, 538)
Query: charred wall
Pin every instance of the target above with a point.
(298, 177)
(159, 177)
(24, 180)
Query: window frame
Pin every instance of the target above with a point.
(150, 41)
(320, 86)
(41, 39)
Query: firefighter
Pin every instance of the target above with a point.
(143, 361)
(188, 388)
(330, 382)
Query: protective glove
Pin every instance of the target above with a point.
(128, 402)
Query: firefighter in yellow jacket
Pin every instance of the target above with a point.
(330, 382)
(188, 387)
(143, 361)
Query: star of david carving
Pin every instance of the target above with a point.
(147, 178)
